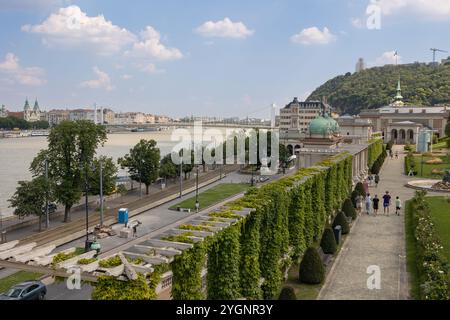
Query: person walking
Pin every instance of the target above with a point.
(359, 203)
(376, 203)
(386, 203)
(377, 180)
(398, 206)
(368, 204)
(396, 154)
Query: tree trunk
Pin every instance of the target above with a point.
(147, 186)
(67, 213)
(40, 223)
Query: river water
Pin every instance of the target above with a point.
(16, 155)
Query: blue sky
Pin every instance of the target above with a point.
(217, 58)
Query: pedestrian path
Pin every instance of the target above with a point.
(374, 242)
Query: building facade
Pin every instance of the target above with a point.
(55, 117)
(296, 116)
(3, 111)
(353, 127)
(32, 114)
(400, 123)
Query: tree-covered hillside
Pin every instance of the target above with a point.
(372, 88)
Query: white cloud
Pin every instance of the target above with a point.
(388, 57)
(424, 8)
(127, 77)
(103, 81)
(31, 76)
(357, 23)
(313, 35)
(150, 68)
(151, 47)
(71, 27)
(224, 29)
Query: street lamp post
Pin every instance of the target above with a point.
(47, 218)
(86, 190)
(197, 204)
(181, 174)
(101, 192)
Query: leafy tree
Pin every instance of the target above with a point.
(109, 176)
(71, 149)
(447, 133)
(284, 155)
(142, 162)
(311, 270)
(167, 169)
(30, 198)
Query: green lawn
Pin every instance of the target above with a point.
(440, 213)
(427, 168)
(17, 278)
(440, 145)
(213, 195)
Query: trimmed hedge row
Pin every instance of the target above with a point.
(250, 258)
(433, 267)
(290, 215)
(374, 151)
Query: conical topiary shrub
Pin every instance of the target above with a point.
(360, 189)
(287, 293)
(328, 242)
(341, 220)
(354, 195)
(349, 209)
(311, 268)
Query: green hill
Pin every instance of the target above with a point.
(372, 88)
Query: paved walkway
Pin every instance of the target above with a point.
(374, 241)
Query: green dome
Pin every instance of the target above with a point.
(323, 126)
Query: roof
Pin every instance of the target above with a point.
(407, 109)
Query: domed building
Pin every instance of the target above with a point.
(323, 127)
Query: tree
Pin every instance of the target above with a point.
(284, 155)
(71, 149)
(167, 169)
(143, 162)
(109, 176)
(31, 198)
(447, 133)
(311, 270)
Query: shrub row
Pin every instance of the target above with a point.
(433, 267)
(374, 151)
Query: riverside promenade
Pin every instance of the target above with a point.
(60, 233)
(375, 241)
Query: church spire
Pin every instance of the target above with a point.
(26, 107)
(398, 99)
(36, 105)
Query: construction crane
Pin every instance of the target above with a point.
(434, 53)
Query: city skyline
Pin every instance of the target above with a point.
(157, 58)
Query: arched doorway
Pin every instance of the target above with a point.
(402, 136)
(290, 149)
(410, 135)
(394, 135)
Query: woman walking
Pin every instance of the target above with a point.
(398, 206)
(368, 204)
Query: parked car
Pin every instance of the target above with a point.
(28, 290)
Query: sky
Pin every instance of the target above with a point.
(202, 58)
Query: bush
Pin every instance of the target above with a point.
(328, 242)
(287, 293)
(353, 197)
(341, 220)
(349, 209)
(359, 188)
(311, 267)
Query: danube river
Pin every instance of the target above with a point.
(16, 155)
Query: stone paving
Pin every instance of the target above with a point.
(374, 241)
